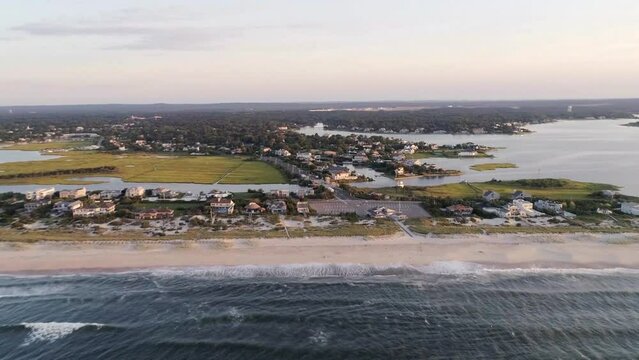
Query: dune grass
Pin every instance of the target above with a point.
(492, 166)
(145, 167)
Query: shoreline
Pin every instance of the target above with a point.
(503, 251)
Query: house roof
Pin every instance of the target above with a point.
(253, 206)
(218, 200)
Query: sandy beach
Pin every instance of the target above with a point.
(506, 251)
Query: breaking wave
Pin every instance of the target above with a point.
(52, 331)
(317, 270)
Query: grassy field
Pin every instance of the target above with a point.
(47, 145)
(569, 190)
(492, 166)
(140, 167)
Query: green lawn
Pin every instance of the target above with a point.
(569, 190)
(492, 166)
(145, 167)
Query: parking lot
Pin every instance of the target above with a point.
(411, 209)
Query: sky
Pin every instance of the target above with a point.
(196, 51)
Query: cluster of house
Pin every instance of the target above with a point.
(519, 206)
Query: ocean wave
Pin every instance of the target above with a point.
(344, 270)
(318, 270)
(52, 331)
(30, 291)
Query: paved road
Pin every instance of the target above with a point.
(411, 209)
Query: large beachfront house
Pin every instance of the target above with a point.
(339, 173)
(134, 192)
(97, 209)
(40, 194)
(222, 205)
(548, 206)
(73, 194)
(66, 206)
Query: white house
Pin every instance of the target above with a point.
(549, 206)
(304, 156)
(40, 194)
(467, 154)
(630, 208)
(66, 206)
(136, 191)
(490, 196)
(110, 194)
(520, 208)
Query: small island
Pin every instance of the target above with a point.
(632, 124)
(492, 166)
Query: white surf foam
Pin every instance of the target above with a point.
(52, 331)
(22, 291)
(316, 270)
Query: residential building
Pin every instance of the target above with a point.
(66, 206)
(549, 206)
(282, 193)
(399, 171)
(360, 158)
(303, 208)
(164, 193)
(97, 209)
(339, 173)
(253, 208)
(460, 210)
(519, 208)
(221, 205)
(40, 194)
(278, 207)
(110, 194)
(520, 195)
(604, 211)
(134, 192)
(73, 194)
(304, 156)
(282, 153)
(630, 208)
(304, 192)
(490, 196)
(154, 214)
(32, 206)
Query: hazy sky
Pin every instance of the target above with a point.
(194, 51)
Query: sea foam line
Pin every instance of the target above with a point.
(52, 331)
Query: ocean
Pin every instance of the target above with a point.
(443, 311)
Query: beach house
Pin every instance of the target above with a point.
(73, 194)
(222, 205)
(96, 209)
(40, 194)
(134, 192)
(490, 196)
(548, 206)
